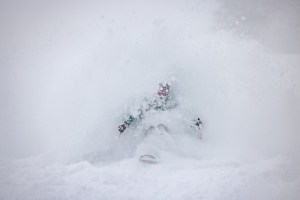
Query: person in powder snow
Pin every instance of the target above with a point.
(163, 100)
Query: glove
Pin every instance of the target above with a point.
(199, 123)
(122, 128)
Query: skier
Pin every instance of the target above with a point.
(161, 101)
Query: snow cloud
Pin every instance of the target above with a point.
(69, 70)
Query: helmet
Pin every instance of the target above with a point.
(163, 89)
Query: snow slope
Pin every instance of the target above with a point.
(69, 72)
(177, 178)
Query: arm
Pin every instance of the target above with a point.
(126, 124)
(199, 126)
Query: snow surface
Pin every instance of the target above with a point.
(176, 178)
(70, 72)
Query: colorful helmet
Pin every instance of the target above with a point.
(163, 90)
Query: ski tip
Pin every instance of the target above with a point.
(149, 159)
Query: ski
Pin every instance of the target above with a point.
(149, 159)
